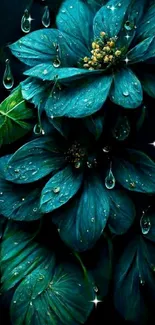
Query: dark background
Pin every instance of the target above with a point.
(11, 12)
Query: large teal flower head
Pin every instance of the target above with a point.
(92, 55)
(82, 185)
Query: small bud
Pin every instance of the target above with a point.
(111, 44)
(94, 45)
(89, 62)
(85, 59)
(106, 59)
(86, 65)
(102, 34)
(111, 57)
(106, 48)
(99, 56)
(118, 53)
(91, 69)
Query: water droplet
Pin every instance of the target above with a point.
(92, 219)
(89, 165)
(38, 130)
(122, 128)
(1, 193)
(95, 289)
(56, 190)
(8, 80)
(126, 93)
(106, 149)
(129, 25)
(14, 301)
(56, 63)
(142, 282)
(35, 209)
(77, 164)
(110, 179)
(23, 198)
(145, 224)
(26, 22)
(46, 21)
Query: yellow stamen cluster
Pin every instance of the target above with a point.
(75, 154)
(104, 53)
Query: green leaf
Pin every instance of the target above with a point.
(14, 114)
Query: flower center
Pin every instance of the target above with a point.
(76, 155)
(104, 53)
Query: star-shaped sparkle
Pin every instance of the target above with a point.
(96, 301)
(153, 144)
(126, 60)
(112, 8)
(30, 19)
(127, 36)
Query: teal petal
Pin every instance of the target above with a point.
(147, 26)
(71, 18)
(80, 100)
(143, 51)
(148, 83)
(122, 212)
(128, 282)
(35, 91)
(126, 90)
(133, 18)
(77, 228)
(19, 255)
(135, 172)
(95, 125)
(110, 18)
(34, 160)
(60, 189)
(53, 294)
(46, 71)
(46, 45)
(21, 204)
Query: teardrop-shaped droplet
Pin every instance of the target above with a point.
(129, 25)
(46, 21)
(38, 130)
(95, 289)
(26, 22)
(56, 63)
(145, 224)
(8, 80)
(122, 128)
(110, 180)
(77, 164)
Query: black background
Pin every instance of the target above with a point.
(11, 12)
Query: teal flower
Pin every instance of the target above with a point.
(81, 187)
(92, 55)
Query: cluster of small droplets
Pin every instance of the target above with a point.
(75, 155)
(104, 53)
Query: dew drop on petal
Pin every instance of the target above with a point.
(126, 93)
(46, 21)
(129, 25)
(95, 289)
(56, 63)
(38, 130)
(145, 224)
(8, 80)
(56, 190)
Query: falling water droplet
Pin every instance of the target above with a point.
(56, 63)
(110, 180)
(26, 22)
(145, 224)
(122, 128)
(129, 25)
(8, 80)
(38, 130)
(46, 21)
